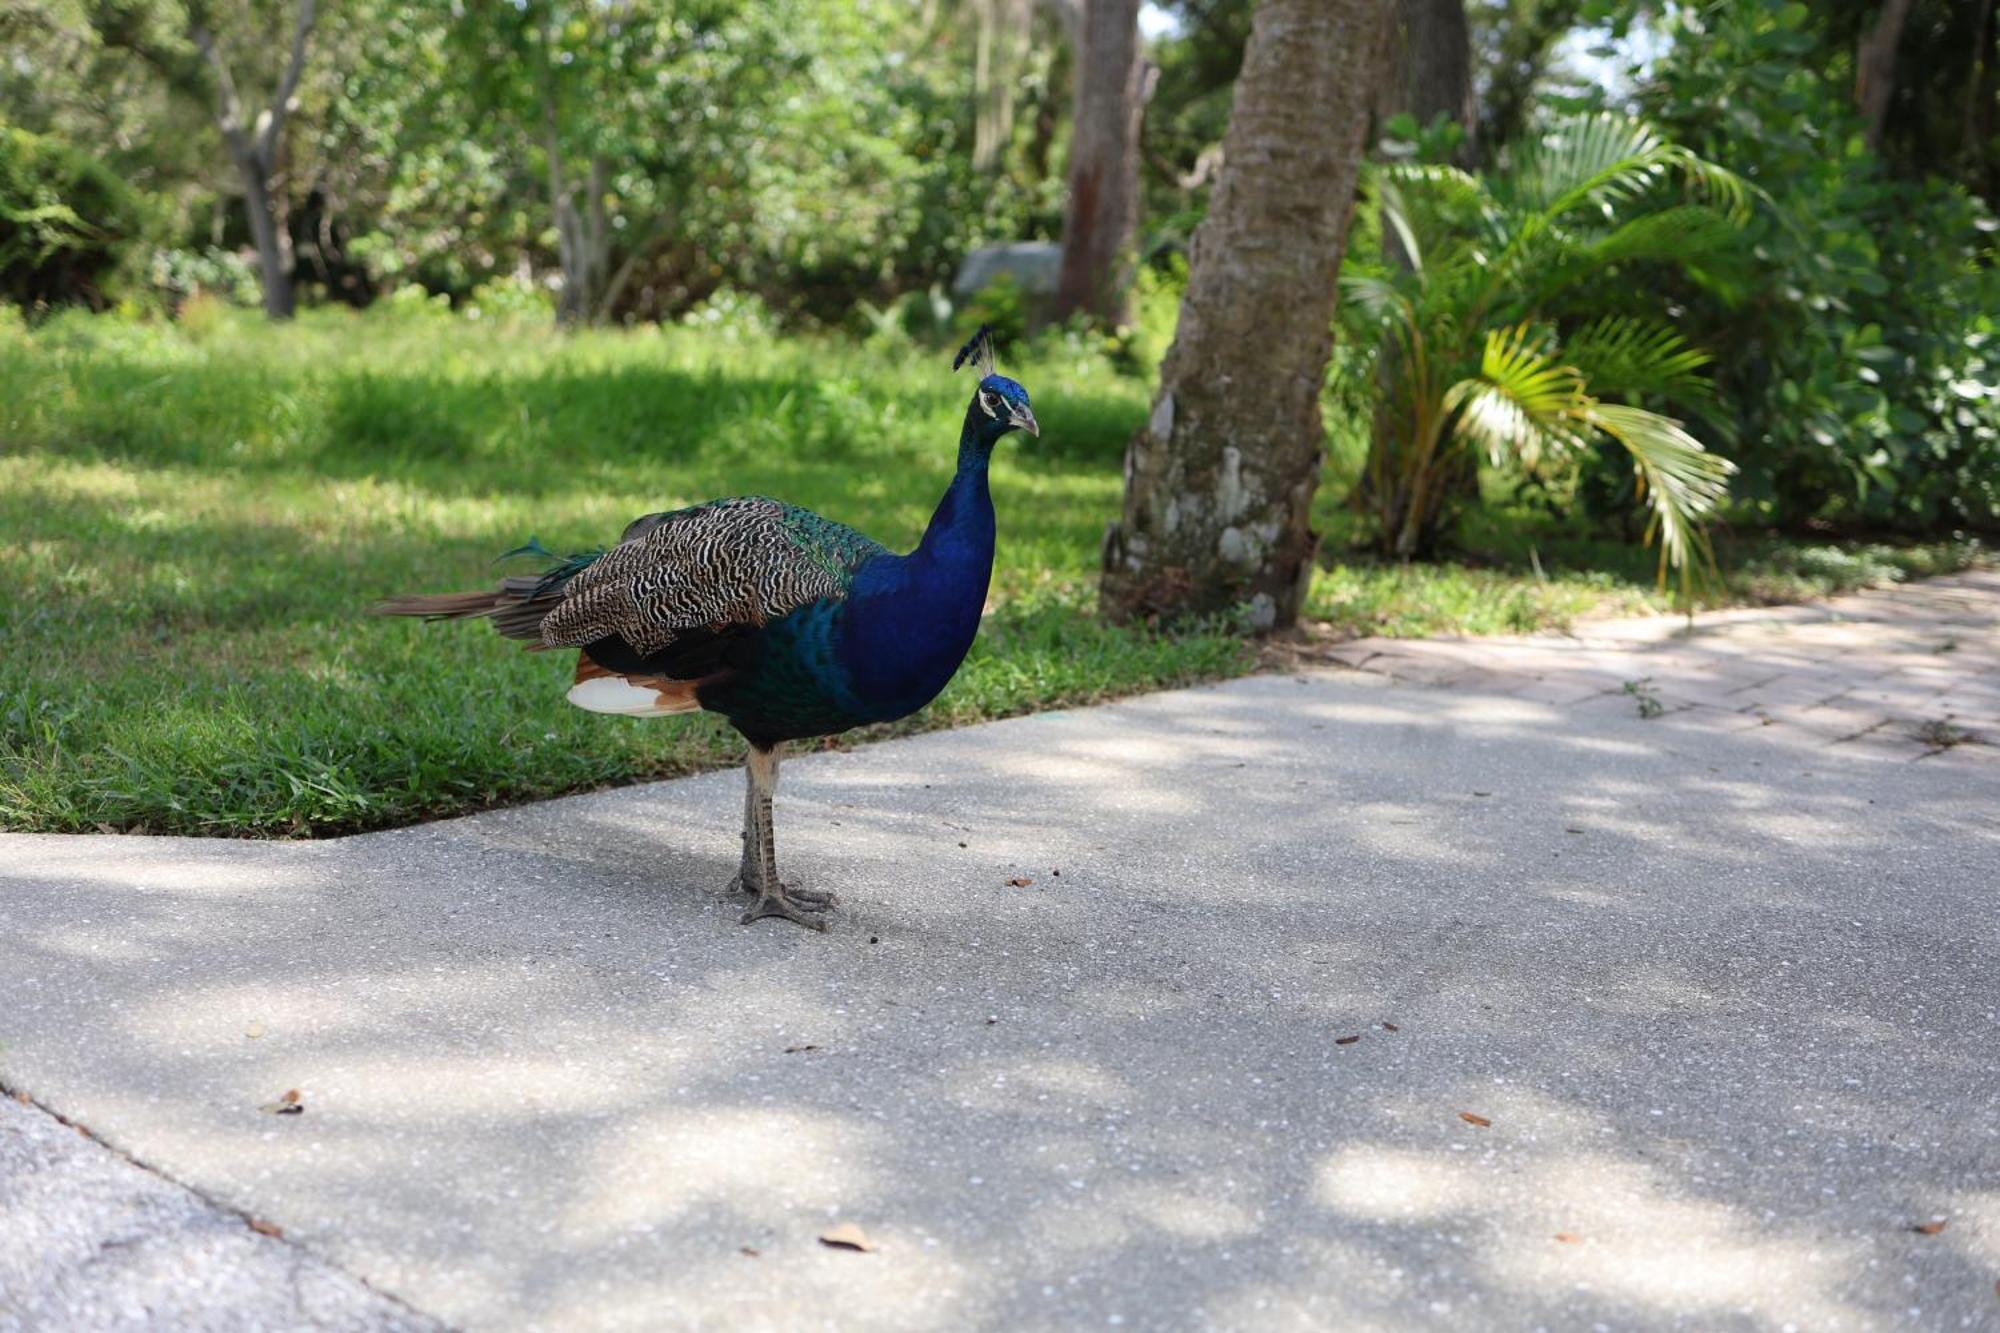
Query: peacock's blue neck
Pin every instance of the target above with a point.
(961, 531)
(913, 617)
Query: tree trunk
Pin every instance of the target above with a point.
(274, 251)
(1428, 74)
(1875, 68)
(1103, 213)
(1219, 483)
(1429, 71)
(256, 149)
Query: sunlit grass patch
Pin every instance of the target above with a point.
(192, 525)
(196, 525)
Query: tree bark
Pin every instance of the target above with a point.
(256, 150)
(1103, 212)
(1875, 69)
(274, 258)
(1219, 483)
(1429, 72)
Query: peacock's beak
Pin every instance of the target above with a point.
(1025, 419)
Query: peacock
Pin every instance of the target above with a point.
(787, 623)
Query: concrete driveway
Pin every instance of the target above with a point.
(1320, 1002)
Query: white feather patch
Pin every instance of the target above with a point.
(615, 694)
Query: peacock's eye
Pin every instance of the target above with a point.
(989, 402)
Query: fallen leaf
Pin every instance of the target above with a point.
(288, 1104)
(254, 1031)
(1347, 1041)
(794, 1050)
(1471, 1119)
(1930, 1228)
(1569, 1238)
(1020, 881)
(263, 1228)
(847, 1236)
(1390, 1027)
(750, 1250)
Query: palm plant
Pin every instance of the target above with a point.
(1472, 341)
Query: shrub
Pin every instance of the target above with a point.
(1858, 344)
(1474, 346)
(67, 223)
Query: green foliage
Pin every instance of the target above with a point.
(196, 526)
(67, 223)
(200, 512)
(1472, 344)
(1857, 341)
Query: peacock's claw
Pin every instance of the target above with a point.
(812, 900)
(807, 907)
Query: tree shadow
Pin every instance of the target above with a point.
(1726, 1028)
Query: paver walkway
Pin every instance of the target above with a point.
(1911, 670)
(1297, 1003)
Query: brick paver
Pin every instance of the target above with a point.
(1912, 670)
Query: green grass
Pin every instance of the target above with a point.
(197, 516)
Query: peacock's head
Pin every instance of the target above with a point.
(999, 404)
(1006, 402)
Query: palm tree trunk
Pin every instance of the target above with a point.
(1219, 483)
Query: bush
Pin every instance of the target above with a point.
(1857, 346)
(67, 223)
(182, 276)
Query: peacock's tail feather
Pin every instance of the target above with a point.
(516, 608)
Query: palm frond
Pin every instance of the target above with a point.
(1523, 403)
(1606, 159)
(1683, 232)
(1681, 480)
(1424, 204)
(1604, 155)
(1627, 356)
(1371, 295)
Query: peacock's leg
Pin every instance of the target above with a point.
(749, 874)
(773, 898)
(747, 880)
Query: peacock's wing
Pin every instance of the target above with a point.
(725, 564)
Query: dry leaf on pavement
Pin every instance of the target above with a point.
(847, 1236)
(1471, 1119)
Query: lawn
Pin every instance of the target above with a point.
(197, 518)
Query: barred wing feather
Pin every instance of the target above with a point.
(743, 561)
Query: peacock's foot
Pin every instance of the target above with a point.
(810, 899)
(808, 907)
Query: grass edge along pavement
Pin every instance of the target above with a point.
(201, 514)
